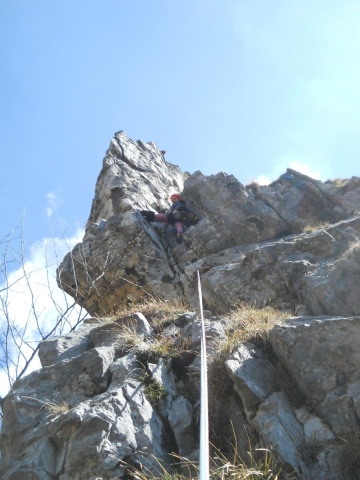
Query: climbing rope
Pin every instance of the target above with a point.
(204, 411)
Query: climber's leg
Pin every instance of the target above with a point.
(179, 228)
(161, 217)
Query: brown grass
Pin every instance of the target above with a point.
(258, 465)
(249, 324)
(52, 408)
(126, 339)
(353, 249)
(157, 311)
(244, 324)
(350, 456)
(339, 182)
(56, 409)
(313, 228)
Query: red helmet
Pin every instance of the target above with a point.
(175, 197)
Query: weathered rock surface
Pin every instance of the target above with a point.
(323, 354)
(92, 413)
(102, 402)
(279, 426)
(107, 419)
(120, 252)
(248, 244)
(253, 376)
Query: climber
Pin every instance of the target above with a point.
(179, 216)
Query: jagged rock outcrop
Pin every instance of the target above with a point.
(103, 401)
(249, 244)
(86, 410)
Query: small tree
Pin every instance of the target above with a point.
(32, 307)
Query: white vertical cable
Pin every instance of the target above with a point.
(204, 412)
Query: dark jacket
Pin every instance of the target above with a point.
(175, 214)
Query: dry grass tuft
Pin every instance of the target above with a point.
(163, 347)
(313, 228)
(249, 324)
(258, 465)
(353, 249)
(157, 311)
(350, 456)
(244, 324)
(56, 409)
(127, 339)
(339, 182)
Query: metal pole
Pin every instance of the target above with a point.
(204, 411)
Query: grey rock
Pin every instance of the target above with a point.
(162, 373)
(106, 428)
(66, 477)
(177, 409)
(181, 419)
(107, 267)
(68, 382)
(315, 430)
(293, 270)
(125, 369)
(57, 349)
(321, 353)
(37, 463)
(214, 329)
(280, 428)
(111, 333)
(293, 244)
(194, 367)
(95, 227)
(254, 378)
(248, 244)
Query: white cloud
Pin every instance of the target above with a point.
(305, 166)
(54, 200)
(34, 300)
(306, 169)
(262, 180)
(289, 161)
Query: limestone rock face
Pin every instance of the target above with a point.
(108, 398)
(82, 416)
(322, 353)
(99, 406)
(122, 258)
(287, 244)
(279, 426)
(318, 270)
(253, 377)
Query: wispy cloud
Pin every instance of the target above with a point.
(54, 200)
(302, 166)
(34, 300)
(262, 180)
(305, 55)
(306, 170)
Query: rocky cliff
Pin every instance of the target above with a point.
(123, 390)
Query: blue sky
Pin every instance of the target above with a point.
(248, 87)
